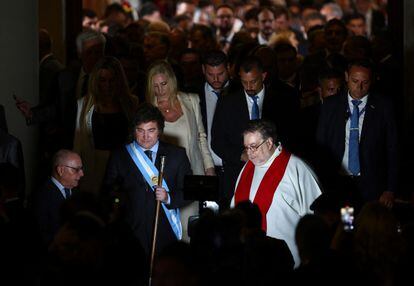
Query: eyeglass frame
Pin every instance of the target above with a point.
(254, 149)
(76, 169)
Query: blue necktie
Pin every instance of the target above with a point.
(217, 93)
(67, 193)
(255, 109)
(353, 158)
(149, 154)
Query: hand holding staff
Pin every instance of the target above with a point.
(160, 195)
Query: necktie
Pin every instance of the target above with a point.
(67, 193)
(149, 154)
(255, 109)
(353, 159)
(217, 93)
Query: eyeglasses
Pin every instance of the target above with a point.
(253, 149)
(76, 169)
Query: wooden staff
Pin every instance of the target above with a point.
(157, 212)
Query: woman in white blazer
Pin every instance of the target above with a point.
(183, 124)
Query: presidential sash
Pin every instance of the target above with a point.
(267, 187)
(150, 174)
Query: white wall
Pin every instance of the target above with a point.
(19, 71)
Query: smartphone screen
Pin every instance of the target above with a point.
(347, 217)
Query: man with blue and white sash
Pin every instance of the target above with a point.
(133, 170)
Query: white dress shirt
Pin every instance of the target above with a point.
(250, 102)
(211, 103)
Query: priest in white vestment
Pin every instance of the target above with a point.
(281, 184)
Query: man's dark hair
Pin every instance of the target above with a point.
(336, 22)
(147, 112)
(250, 63)
(266, 8)
(251, 14)
(206, 31)
(163, 37)
(215, 58)
(114, 8)
(330, 73)
(224, 6)
(204, 3)
(349, 17)
(189, 51)
(284, 47)
(314, 16)
(88, 13)
(266, 128)
(182, 17)
(279, 10)
(365, 63)
(147, 9)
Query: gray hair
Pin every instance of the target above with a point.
(336, 10)
(89, 35)
(61, 156)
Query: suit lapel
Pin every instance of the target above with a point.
(342, 116)
(203, 107)
(56, 190)
(369, 117)
(161, 151)
(244, 108)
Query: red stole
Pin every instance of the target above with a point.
(267, 187)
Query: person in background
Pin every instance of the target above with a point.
(89, 20)
(102, 119)
(47, 113)
(253, 100)
(355, 23)
(46, 202)
(357, 134)
(281, 184)
(183, 123)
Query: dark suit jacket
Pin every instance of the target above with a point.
(377, 22)
(46, 205)
(378, 144)
(11, 152)
(56, 113)
(139, 200)
(231, 119)
(202, 95)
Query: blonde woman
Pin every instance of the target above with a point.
(183, 124)
(102, 119)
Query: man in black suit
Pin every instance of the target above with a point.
(216, 85)
(358, 134)
(56, 111)
(11, 152)
(47, 201)
(127, 170)
(275, 102)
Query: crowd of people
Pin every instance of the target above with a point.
(291, 105)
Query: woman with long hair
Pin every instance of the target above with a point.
(102, 119)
